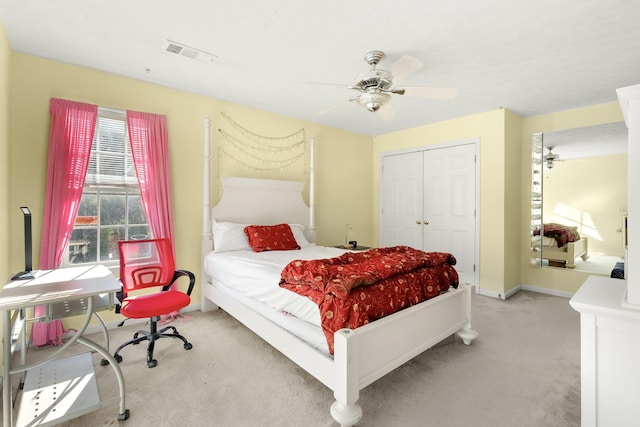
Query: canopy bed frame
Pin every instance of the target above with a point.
(361, 356)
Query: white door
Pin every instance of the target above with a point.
(428, 201)
(401, 200)
(449, 205)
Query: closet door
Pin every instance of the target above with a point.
(449, 205)
(401, 182)
(428, 201)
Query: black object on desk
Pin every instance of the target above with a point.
(26, 274)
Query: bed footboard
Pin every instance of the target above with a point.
(568, 253)
(363, 355)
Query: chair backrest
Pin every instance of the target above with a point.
(146, 263)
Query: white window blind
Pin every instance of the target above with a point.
(111, 207)
(111, 162)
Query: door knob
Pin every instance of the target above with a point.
(418, 222)
(426, 222)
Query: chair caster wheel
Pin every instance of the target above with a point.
(124, 416)
(104, 362)
(118, 358)
(152, 364)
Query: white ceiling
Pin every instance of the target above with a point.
(529, 56)
(590, 141)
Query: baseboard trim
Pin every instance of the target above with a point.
(491, 294)
(511, 292)
(538, 290)
(547, 291)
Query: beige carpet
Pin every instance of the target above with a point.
(523, 370)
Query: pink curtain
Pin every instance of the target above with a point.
(150, 148)
(70, 137)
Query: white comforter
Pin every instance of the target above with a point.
(257, 275)
(546, 241)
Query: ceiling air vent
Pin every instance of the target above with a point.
(187, 51)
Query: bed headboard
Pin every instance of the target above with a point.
(261, 201)
(255, 201)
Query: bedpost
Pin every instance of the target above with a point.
(206, 244)
(345, 410)
(467, 334)
(206, 182)
(312, 191)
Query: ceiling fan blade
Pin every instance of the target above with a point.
(405, 66)
(386, 112)
(431, 92)
(340, 85)
(331, 108)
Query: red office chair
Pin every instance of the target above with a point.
(145, 264)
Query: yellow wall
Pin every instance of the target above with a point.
(5, 58)
(497, 155)
(512, 237)
(590, 193)
(347, 164)
(340, 155)
(554, 279)
(5, 244)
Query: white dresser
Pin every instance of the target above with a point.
(610, 354)
(610, 312)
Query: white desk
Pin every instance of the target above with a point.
(64, 292)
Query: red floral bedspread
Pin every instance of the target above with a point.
(561, 233)
(359, 287)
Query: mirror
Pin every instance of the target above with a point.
(579, 198)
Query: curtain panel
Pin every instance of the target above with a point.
(150, 148)
(70, 138)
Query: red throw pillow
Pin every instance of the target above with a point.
(271, 238)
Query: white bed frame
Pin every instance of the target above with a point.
(361, 356)
(568, 253)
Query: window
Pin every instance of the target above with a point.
(111, 207)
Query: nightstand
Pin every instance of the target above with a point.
(357, 248)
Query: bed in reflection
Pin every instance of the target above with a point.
(560, 245)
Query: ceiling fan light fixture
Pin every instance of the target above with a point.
(373, 79)
(373, 101)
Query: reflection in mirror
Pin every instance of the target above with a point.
(536, 199)
(583, 184)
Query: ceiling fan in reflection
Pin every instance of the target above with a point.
(551, 158)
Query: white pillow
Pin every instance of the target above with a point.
(298, 234)
(229, 236)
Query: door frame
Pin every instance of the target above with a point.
(471, 141)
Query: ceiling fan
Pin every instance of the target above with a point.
(551, 158)
(377, 85)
